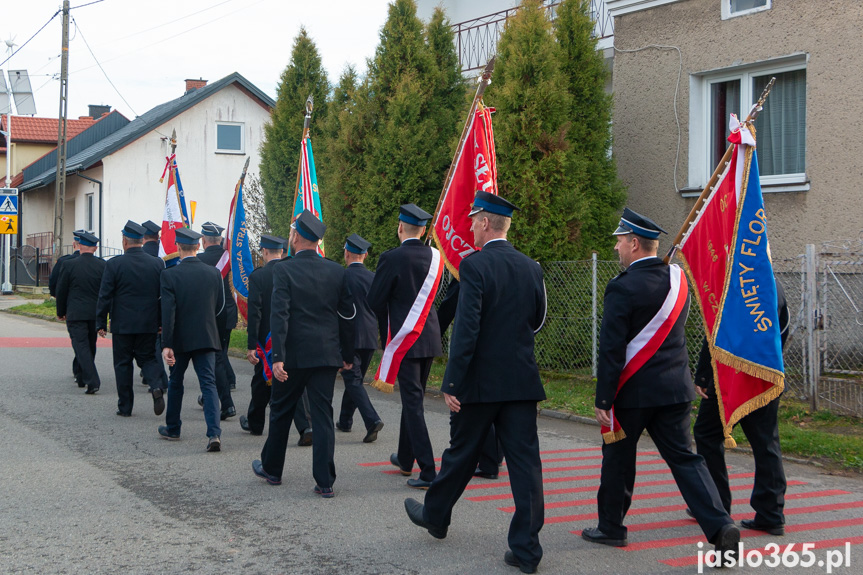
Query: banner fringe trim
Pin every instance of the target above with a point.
(613, 436)
(383, 386)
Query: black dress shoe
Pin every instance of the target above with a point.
(244, 424)
(394, 459)
(594, 535)
(510, 559)
(121, 414)
(415, 513)
(306, 438)
(342, 428)
(419, 483)
(158, 402)
(690, 513)
(201, 400)
(372, 432)
(766, 527)
(91, 390)
(163, 431)
(726, 542)
(480, 473)
(258, 469)
(226, 413)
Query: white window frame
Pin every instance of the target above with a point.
(242, 149)
(700, 168)
(727, 13)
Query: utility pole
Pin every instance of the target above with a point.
(60, 190)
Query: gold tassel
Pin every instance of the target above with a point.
(613, 436)
(729, 442)
(383, 386)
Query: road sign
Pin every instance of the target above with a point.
(9, 205)
(8, 224)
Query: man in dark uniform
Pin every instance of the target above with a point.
(491, 456)
(657, 396)
(192, 297)
(53, 279)
(399, 276)
(151, 238)
(260, 296)
(225, 379)
(365, 343)
(77, 295)
(130, 294)
(312, 330)
(761, 428)
(492, 378)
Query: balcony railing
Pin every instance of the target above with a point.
(476, 40)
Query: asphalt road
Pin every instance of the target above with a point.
(85, 491)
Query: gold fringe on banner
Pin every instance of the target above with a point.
(729, 442)
(755, 370)
(446, 261)
(613, 436)
(383, 386)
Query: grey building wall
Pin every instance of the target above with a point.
(645, 134)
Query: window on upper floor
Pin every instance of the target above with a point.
(780, 127)
(90, 212)
(229, 138)
(733, 8)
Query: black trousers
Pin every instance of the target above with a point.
(224, 371)
(76, 369)
(140, 347)
(261, 398)
(319, 382)
(761, 428)
(668, 426)
(414, 442)
(355, 395)
(515, 422)
(491, 455)
(83, 335)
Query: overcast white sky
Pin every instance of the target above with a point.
(148, 48)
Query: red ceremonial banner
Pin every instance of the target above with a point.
(475, 168)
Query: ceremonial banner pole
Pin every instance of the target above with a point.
(310, 104)
(753, 113)
(485, 80)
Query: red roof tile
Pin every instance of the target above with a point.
(44, 130)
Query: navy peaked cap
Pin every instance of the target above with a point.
(486, 202)
(309, 226)
(414, 215)
(212, 230)
(634, 223)
(152, 227)
(186, 236)
(356, 244)
(269, 242)
(133, 231)
(86, 238)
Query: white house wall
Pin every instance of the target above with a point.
(131, 174)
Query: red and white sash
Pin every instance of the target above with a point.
(399, 344)
(644, 345)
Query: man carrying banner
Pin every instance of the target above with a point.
(492, 378)
(312, 330)
(365, 343)
(225, 379)
(644, 382)
(403, 291)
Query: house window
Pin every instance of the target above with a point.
(229, 138)
(780, 127)
(733, 8)
(89, 214)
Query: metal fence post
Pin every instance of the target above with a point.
(811, 338)
(593, 312)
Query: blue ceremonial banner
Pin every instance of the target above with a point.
(748, 325)
(307, 191)
(237, 238)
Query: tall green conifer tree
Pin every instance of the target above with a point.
(590, 130)
(536, 167)
(280, 151)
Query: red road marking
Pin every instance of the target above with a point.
(566, 479)
(45, 342)
(823, 544)
(579, 450)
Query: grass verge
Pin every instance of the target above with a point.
(47, 309)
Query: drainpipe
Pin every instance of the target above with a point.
(80, 175)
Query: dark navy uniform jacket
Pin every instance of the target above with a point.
(366, 325)
(632, 299)
(398, 279)
(151, 248)
(54, 278)
(312, 319)
(78, 288)
(260, 296)
(130, 293)
(501, 305)
(192, 296)
(228, 317)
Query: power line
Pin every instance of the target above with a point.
(31, 37)
(87, 4)
(162, 25)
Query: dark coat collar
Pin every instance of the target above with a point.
(646, 263)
